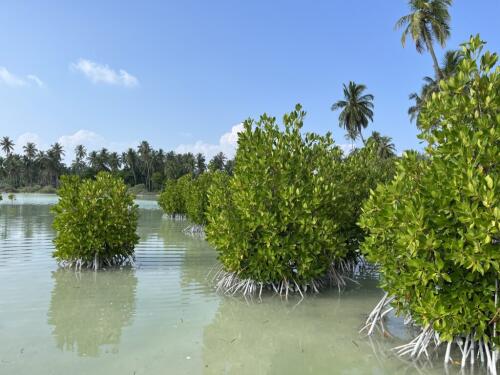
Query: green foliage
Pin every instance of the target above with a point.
(361, 171)
(95, 221)
(290, 210)
(173, 198)
(435, 229)
(196, 197)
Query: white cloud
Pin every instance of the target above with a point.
(25, 138)
(10, 79)
(227, 144)
(99, 73)
(82, 137)
(91, 140)
(35, 79)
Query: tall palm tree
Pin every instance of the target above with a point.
(30, 150)
(146, 157)
(7, 145)
(30, 153)
(80, 152)
(114, 161)
(427, 21)
(79, 162)
(384, 146)
(55, 154)
(448, 68)
(129, 158)
(357, 110)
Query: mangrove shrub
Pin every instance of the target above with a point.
(274, 222)
(173, 198)
(435, 229)
(95, 222)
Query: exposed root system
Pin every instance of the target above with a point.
(97, 263)
(230, 283)
(428, 340)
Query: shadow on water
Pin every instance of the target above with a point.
(88, 310)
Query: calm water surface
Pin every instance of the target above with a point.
(163, 317)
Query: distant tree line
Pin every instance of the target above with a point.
(143, 167)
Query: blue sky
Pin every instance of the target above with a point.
(182, 74)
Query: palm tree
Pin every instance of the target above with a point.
(200, 164)
(357, 110)
(114, 161)
(217, 163)
(384, 146)
(145, 154)
(448, 68)
(30, 153)
(129, 158)
(7, 145)
(428, 20)
(55, 154)
(78, 164)
(30, 150)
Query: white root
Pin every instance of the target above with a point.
(377, 315)
(195, 230)
(427, 338)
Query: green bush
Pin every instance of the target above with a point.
(95, 221)
(196, 196)
(173, 198)
(362, 170)
(275, 221)
(435, 229)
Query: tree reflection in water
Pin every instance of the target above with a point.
(88, 310)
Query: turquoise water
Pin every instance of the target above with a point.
(162, 316)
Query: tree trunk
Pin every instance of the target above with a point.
(437, 70)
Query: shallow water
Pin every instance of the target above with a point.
(163, 317)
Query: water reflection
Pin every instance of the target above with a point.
(318, 336)
(89, 310)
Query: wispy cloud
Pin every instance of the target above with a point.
(12, 80)
(35, 79)
(227, 144)
(100, 73)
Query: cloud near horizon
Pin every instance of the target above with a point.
(227, 144)
(101, 73)
(91, 140)
(10, 79)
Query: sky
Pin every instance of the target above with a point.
(184, 74)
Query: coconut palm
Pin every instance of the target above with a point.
(30, 153)
(130, 160)
(79, 162)
(383, 144)
(200, 164)
(356, 110)
(427, 21)
(146, 158)
(448, 68)
(7, 145)
(30, 150)
(114, 161)
(217, 162)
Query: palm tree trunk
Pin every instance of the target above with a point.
(437, 70)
